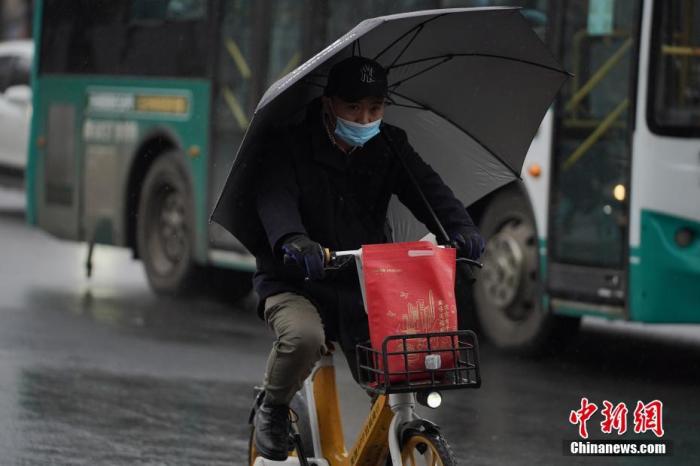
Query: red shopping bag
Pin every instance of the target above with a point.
(409, 289)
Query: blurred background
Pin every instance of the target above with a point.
(127, 325)
(16, 19)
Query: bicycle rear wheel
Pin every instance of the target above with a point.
(425, 449)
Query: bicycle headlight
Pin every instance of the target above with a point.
(431, 399)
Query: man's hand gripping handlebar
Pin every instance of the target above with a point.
(314, 260)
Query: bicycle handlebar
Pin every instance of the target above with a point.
(333, 259)
(333, 255)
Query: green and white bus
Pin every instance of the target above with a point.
(140, 105)
(607, 219)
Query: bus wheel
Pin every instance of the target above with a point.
(507, 291)
(165, 227)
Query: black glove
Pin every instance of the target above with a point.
(307, 254)
(468, 242)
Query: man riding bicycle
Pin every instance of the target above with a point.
(327, 183)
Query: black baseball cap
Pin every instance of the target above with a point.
(355, 78)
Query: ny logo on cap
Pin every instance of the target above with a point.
(367, 74)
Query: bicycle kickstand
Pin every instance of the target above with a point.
(301, 454)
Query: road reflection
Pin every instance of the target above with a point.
(202, 320)
(103, 418)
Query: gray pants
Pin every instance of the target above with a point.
(300, 343)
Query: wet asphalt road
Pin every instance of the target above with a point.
(102, 372)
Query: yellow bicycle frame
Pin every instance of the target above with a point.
(370, 448)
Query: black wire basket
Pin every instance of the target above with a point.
(446, 360)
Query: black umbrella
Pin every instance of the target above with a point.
(469, 85)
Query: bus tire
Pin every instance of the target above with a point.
(165, 227)
(507, 292)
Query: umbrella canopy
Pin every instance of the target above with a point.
(469, 85)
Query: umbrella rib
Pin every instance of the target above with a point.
(426, 107)
(417, 31)
(416, 107)
(445, 58)
(359, 48)
(419, 25)
(485, 55)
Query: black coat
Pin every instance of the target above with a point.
(340, 200)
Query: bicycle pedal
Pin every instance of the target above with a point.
(291, 461)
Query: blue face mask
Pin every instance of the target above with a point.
(356, 134)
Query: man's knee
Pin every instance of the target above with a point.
(307, 340)
(297, 324)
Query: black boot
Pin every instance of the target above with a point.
(272, 431)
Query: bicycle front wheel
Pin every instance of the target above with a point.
(425, 449)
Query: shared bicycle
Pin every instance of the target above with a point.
(393, 433)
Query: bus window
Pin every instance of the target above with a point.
(119, 39)
(285, 38)
(186, 10)
(234, 103)
(675, 86)
(233, 98)
(171, 10)
(592, 141)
